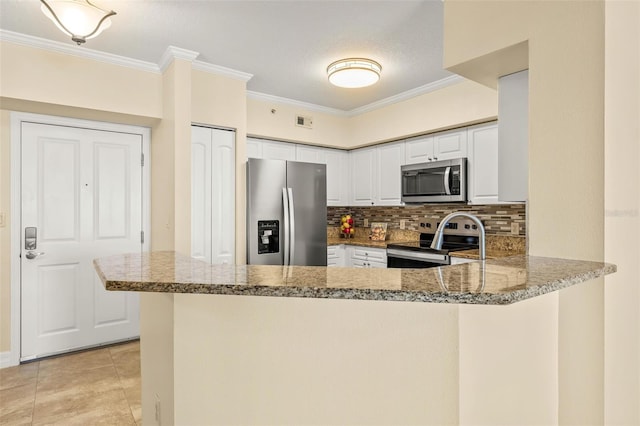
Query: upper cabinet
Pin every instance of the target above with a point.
(419, 150)
(439, 146)
(513, 136)
(375, 174)
(271, 150)
(336, 160)
(389, 158)
(482, 164)
(363, 172)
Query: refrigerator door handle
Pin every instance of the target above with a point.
(292, 228)
(285, 205)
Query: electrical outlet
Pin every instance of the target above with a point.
(402, 224)
(515, 229)
(158, 410)
(366, 223)
(2, 222)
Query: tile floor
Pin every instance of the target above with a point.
(99, 386)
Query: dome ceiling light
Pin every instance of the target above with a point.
(79, 19)
(354, 72)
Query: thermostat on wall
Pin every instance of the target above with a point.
(303, 121)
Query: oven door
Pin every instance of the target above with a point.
(398, 258)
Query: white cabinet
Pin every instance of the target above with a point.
(482, 164)
(336, 255)
(337, 162)
(270, 150)
(254, 148)
(363, 162)
(513, 116)
(389, 158)
(439, 146)
(213, 195)
(367, 257)
(450, 144)
(375, 175)
(419, 150)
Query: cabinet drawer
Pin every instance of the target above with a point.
(372, 254)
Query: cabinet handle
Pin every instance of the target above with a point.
(435, 158)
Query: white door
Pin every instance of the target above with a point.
(81, 199)
(213, 195)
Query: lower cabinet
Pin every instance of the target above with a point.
(356, 256)
(336, 255)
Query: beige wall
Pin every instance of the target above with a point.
(5, 233)
(566, 107)
(328, 129)
(622, 212)
(460, 104)
(464, 103)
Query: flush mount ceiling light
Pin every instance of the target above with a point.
(354, 72)
(79, 19)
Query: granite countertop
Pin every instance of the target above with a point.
(358, 241)
(492, 282)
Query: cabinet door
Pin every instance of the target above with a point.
(272, 150)
(310, 154)
(389, 158)
(254, 148)
(337, 177)
(451, 144)
(482, 165)
(362, 176)
(419, 150)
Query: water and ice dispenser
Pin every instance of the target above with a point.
(268, 236)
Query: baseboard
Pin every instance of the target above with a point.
(5, 360)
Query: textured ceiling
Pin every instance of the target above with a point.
(286, 45)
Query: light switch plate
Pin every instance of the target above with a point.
(515, 229)
(366, 223)
(402, 224)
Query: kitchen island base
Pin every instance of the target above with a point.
(211, 359)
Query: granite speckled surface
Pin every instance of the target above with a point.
(493, 282)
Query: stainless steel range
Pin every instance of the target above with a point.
(459, 234)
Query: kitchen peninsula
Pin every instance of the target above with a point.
(319, 354)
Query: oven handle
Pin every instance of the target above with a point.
(415, 255)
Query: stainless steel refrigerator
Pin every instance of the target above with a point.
(286, 213)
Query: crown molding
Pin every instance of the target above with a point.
(306, 105)
(418, 91)
(217, 69)
(427, 88)
(172, 53)
(78, 51)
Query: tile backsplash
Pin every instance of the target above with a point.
(497, 219)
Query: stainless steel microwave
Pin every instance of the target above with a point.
(435, 182)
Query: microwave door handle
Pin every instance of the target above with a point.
(447, 174)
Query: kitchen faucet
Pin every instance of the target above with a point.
(437, 238)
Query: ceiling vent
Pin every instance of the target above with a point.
(302, 121)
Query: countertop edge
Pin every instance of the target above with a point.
(233, 289)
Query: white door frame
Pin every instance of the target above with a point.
(16, 171)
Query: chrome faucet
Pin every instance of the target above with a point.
(437, 238)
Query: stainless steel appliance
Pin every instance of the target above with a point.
(435, 182)
(286, 213)
(460, 234)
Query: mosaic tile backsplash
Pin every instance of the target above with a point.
(497, 219)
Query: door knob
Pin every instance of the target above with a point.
(33, 254)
